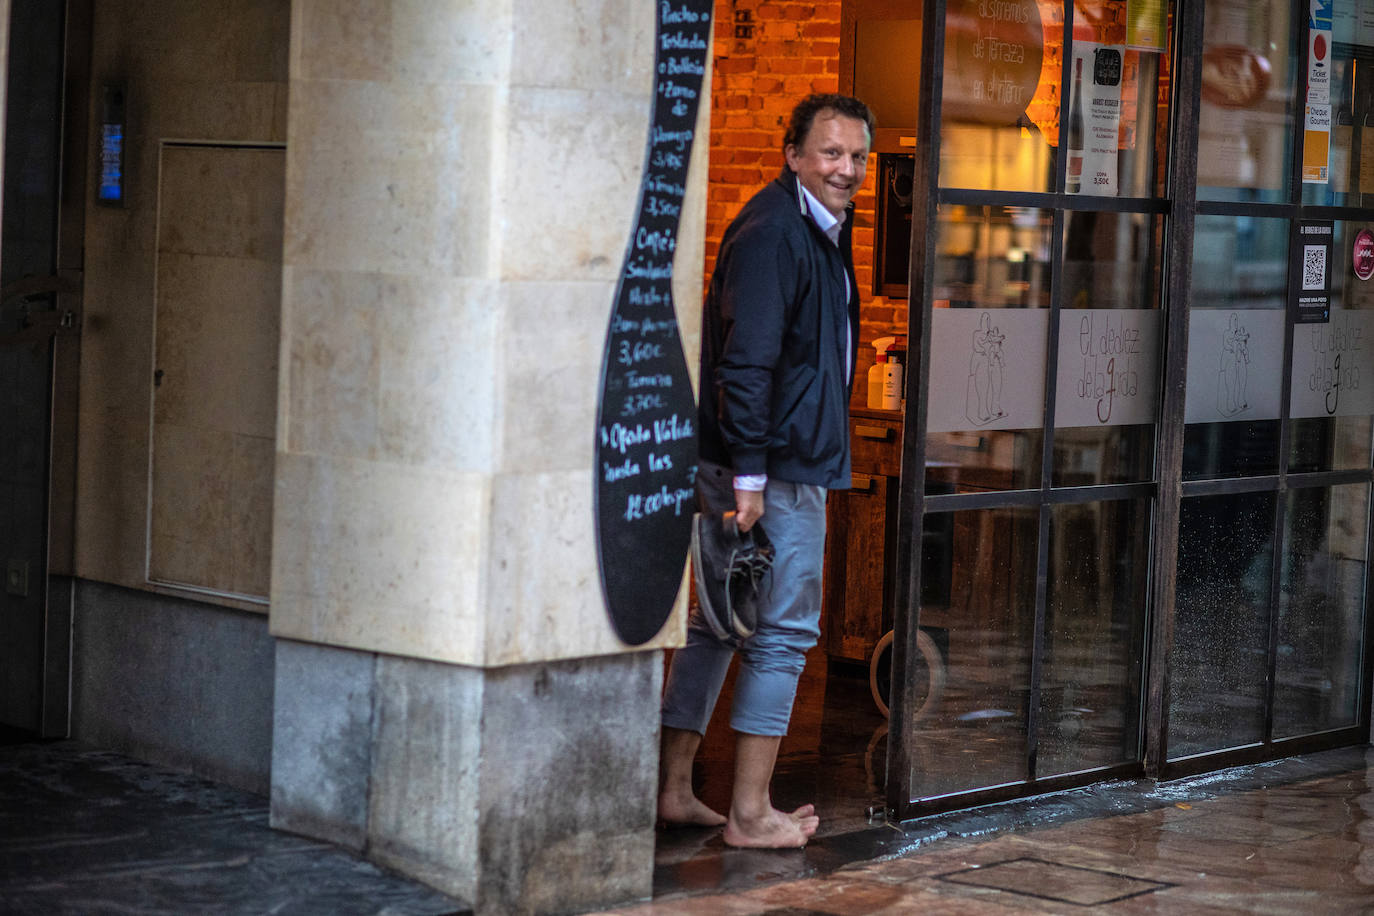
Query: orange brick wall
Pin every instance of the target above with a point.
(1043, 108)
(769, 54)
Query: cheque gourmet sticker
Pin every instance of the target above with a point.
(1362, 254)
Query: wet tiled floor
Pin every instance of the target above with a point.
(83, 831)
(1291, 837)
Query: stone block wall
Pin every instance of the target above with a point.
(460, 185)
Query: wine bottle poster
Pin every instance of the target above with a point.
(1095, 118)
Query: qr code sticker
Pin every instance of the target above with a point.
(1314, 267)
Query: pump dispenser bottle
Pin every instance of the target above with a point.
(875, 381)
(892, 383)
(885, 378)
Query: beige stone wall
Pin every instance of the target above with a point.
(211, 73)
(461, 181)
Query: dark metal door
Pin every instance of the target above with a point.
(46, 109)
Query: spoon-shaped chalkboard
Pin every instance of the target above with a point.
(646, 448)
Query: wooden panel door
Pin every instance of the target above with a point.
(858, 523)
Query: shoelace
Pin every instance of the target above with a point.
(752, 562)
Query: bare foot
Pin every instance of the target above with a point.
(683, 809)
(774, 830)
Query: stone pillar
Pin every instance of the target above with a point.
(450, 697)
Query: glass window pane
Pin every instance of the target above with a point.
(1333, 363)
(1107, 384)
(1329, 443)
(1001, 84)
(1236, 325)
(975, 735)
(1321, 610)
(1219, 663)
(989, 329)
(1249, 63)
(1002, 88)
(1090, 696)
(1117, 132)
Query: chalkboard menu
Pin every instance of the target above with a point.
(646, 447)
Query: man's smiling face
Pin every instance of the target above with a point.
(832, 160)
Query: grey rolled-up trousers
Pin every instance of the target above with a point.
(771, 660)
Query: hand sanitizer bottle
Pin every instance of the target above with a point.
(876, 381)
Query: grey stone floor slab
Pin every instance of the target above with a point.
(86, 831)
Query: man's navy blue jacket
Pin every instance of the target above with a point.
(774, 384)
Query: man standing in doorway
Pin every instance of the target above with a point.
(779, 339)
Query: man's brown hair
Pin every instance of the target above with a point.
(804, 115)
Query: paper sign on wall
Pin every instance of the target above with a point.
(987, 369)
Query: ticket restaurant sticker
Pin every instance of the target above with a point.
(1319, 67)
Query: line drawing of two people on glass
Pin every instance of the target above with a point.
(986, 368)
(1234, 369)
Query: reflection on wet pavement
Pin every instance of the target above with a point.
(1293, 836)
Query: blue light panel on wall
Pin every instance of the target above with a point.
(111, 188)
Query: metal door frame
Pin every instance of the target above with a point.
(1178, 208)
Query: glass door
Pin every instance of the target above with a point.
(1268, 627)
(1137, 457)
(1041, 262)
